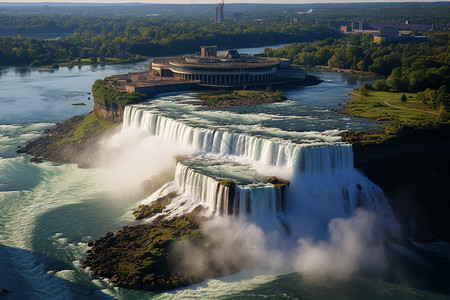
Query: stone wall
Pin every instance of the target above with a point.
(157, 89)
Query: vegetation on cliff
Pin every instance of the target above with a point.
(138, 256)
(72, 141)
(148, 211)
(108, 97)
(241, 97)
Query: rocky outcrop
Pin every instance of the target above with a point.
(62, 145)
(145, 256)
(148, 211)
(107, 113)
(278, 182)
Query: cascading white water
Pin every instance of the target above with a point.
(222, 199)
(324, 181)
(270, 152)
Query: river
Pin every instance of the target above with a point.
(49, 212)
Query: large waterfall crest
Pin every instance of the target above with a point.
(324, 183)
(270, 152)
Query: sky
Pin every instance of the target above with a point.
(213, 1)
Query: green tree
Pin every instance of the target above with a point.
(380, 85)
(396, 81)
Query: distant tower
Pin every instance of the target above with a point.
(219, 12)
(237, 17)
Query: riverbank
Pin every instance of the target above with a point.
(345, 71)
(387, 109)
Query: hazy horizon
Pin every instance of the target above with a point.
(207, 1)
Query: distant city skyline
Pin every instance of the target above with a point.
(210, 1)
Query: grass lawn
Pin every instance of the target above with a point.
(396, 120)
(90, 126)
(373, 106)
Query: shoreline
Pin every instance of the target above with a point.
(345, 71)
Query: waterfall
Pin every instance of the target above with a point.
(324, 182)
(228, 199)
(271, 152)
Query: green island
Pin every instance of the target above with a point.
(216, 99)
(72, 141)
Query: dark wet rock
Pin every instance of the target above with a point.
(278, 182)
(4, 292)
(148, 211)
(412, 170)
(141, 257)
(36, 160)
(20, 149)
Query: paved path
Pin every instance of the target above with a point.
(416, 109)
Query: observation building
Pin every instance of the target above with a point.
(227, 68)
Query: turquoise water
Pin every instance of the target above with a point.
(48, 212)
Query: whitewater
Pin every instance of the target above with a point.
(329, 234)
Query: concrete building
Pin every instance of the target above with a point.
(219, 12)
(381, 28)
(228, 68)
(208, 51)
(389, 32)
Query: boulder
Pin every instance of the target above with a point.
(278, 182)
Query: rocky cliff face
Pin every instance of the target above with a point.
(414, 177)
(108, 113)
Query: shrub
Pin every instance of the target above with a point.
(367, 86)
(403, 98)
(380, 85)
(115, 99)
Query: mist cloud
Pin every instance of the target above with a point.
(353, 245)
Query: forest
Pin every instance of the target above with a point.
(422, 67)
(52, 34)
(100, 39)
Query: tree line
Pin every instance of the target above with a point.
(128, 39)
(409, 67)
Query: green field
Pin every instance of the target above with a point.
(373, 106)
(406, 116)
